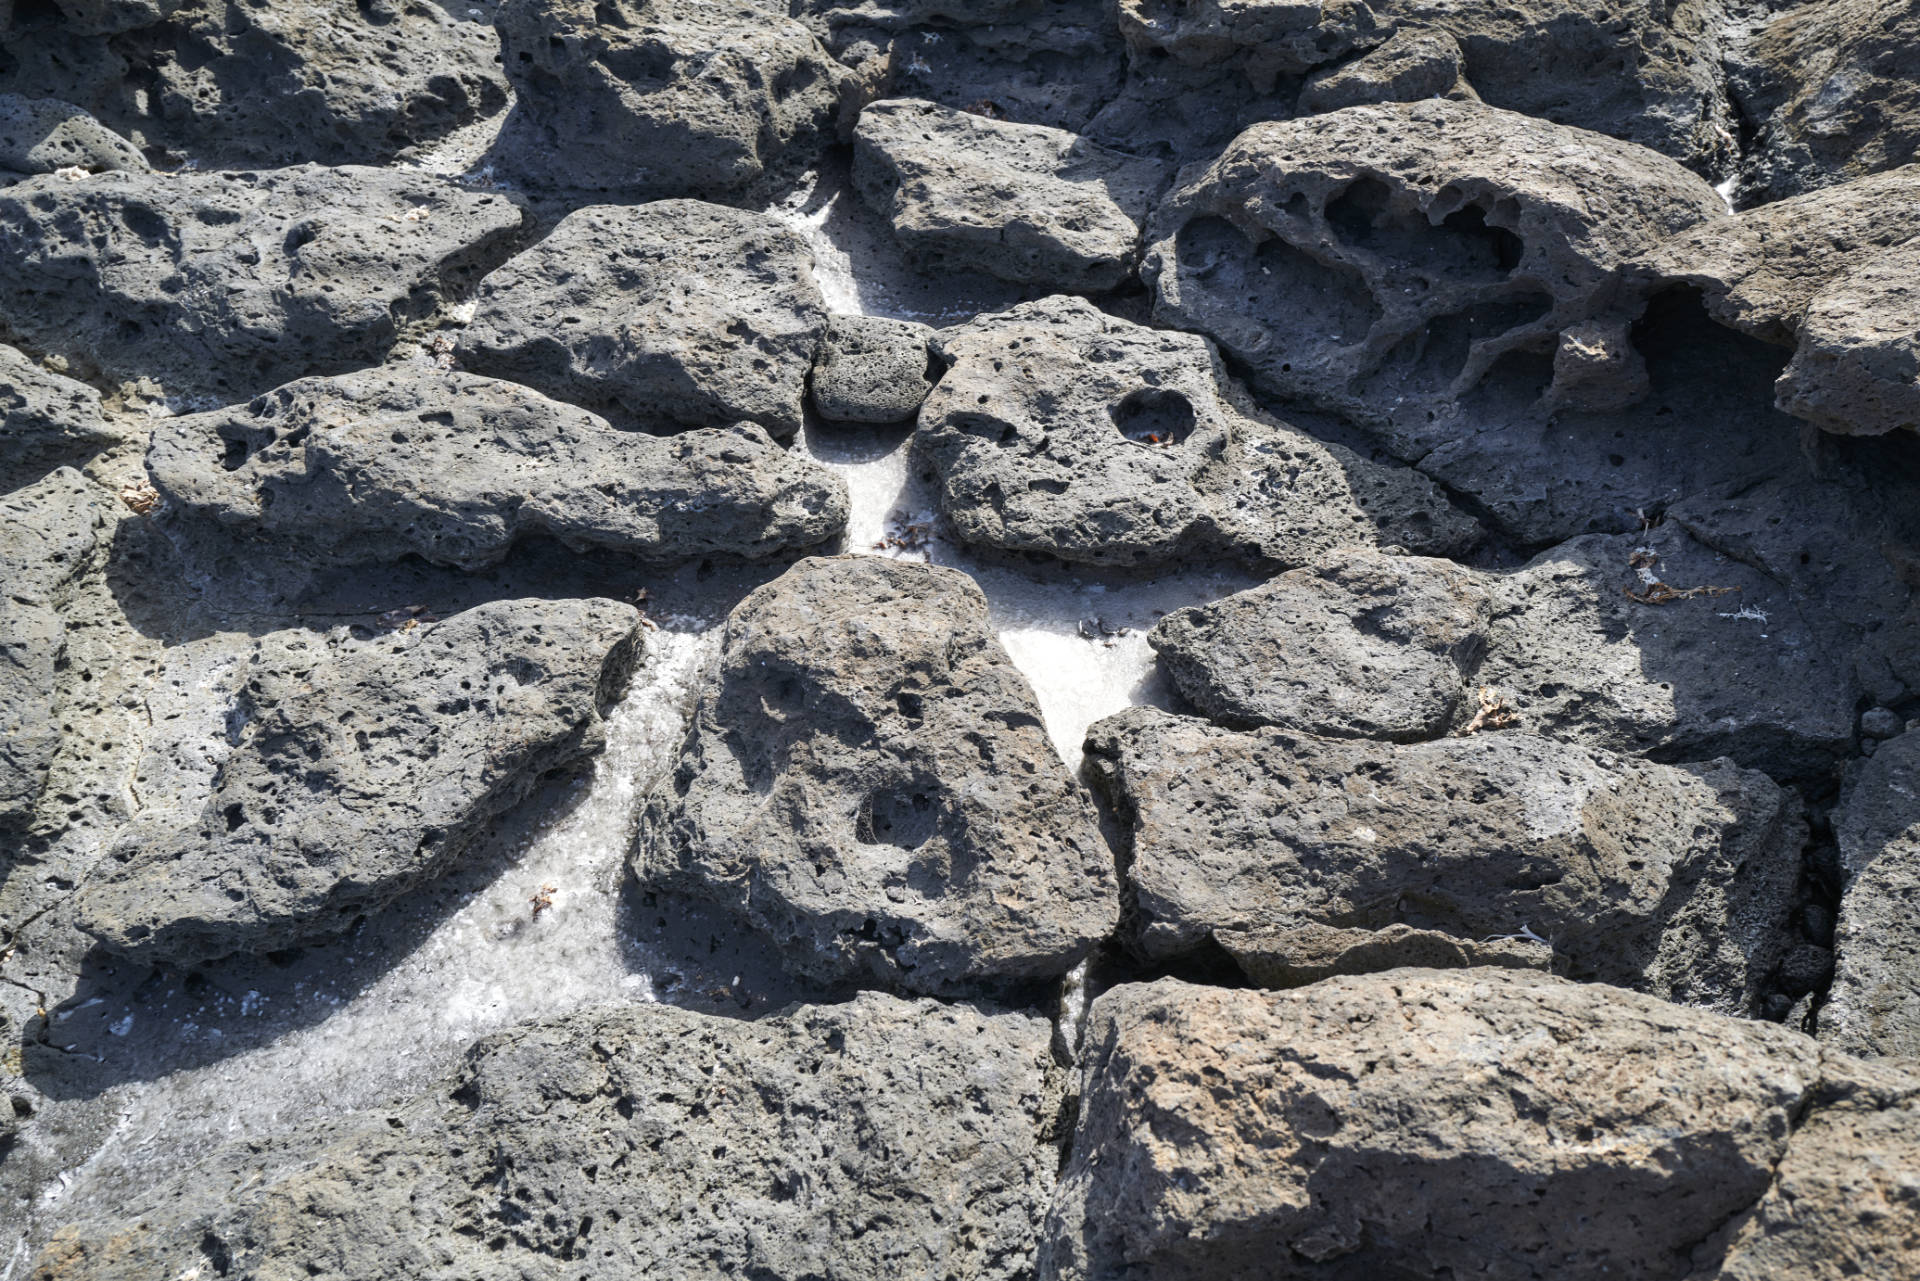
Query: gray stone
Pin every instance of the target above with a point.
(1060, 429)
(868, 783)
(453, 467)
(877, 1140)
(1880, 722)
(1856, 370)
(45, 419)
(108, 17)
(1026, 203)
(1358, 645)
(1297, 956)
(1490, 1123)
(653, 98)
(1671, 880)
(41, 135)
(675, 312)
(226, 284)
(340, 773)
(1412, 64)
(871, 370)
(1873, 1006)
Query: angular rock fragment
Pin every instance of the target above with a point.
(45, 419)
(1672, 880)
(1857, 368)
(342, 772)
(453, 467)
(670, 313)
(1873, 1006)
(1025, 203)
(41, 135)
(879, 1138)
(1481, 1122)
(871, 370)
(1357, 645)
(225, 284)
(655, 98)
(868, 783)
(1295, 957)
(1062, 430)
(1412, 65)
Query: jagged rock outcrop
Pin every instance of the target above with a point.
(43, 135)
(1672, 880)
(666, 315)
(1873, 1006)
(871, 370)
(1410, 65)
(226, 284)
(868, 784)
(1489, 1122)
(453, 467)
(1026, 203)
(45, 419)
(875, 1139)
(297, 783)
(1060, 429)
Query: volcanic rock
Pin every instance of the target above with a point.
(871, 370)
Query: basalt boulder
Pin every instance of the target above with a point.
(43, 135)
(871, 369)
(297, 783)
(867, 782)
(1873, 1007)
(453, 467)
(45, 419)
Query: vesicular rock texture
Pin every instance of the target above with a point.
(1874, 1006)
(45, 418)
(344, 771)
(867, 782)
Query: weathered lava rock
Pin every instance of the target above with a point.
(225, 284)
(45, 419)
(1674, 880)
(868, 783)
(1873, 1006)
(675, 312)
(871, 370)
(453, 467)
(303, 781)
(1060, 429)
(42, 135)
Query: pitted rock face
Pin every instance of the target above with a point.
(341, 772)
(226, 284)
(871, 370)
(655, 98)
(41, 135)
(868, 783)
(1873, 1006)
(1062, 430)
(45, 419)
(665, 315)
(452, 467)
(1672, 880)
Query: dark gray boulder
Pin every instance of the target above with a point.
(45, 419)
(867, 782)
(1411, 65)
(298, 783)
(1060, 429)
(1873, 1006)
(225, 284)
(1856, 370)
(1671, 880)
(873, 1140)
(1027, 203)
(1356, 645)
(671, 314)
(654, 98)
(453, 467)
(871, 370)
(42, 135)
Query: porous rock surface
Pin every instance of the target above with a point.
(1874, 1005)
(1674, 880)
(453, 467)
(871, 369)
(868, 783)
(226, 284)
(672, 314)
(1060, 429)
(1505, 1124)
(877, 1138)
(42, 135)
(344, 771)
(45, 418)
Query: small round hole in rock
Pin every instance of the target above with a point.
(1155, 417)
(903, 819)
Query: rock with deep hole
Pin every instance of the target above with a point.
(453, 467)
(301, 781)
(225, 284)
(45, 419)
(1675, 880)
(879, 1140)
(665, 315)
(42, 135)
(1873, 1006)
(867, 782)
(1356, 645)
(1026, 203)
(871, 370)
(1062, 430)
(1480, 1122)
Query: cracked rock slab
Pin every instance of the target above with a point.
(868, 783)
(45, 419)
(1062, 430)
(225, 284)
(304, 780)
(672, 314)
(1026, 203)
(453, 467)
(1485, 1122)
(878, 1140)
(1873, 1007)
(1672, 880)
